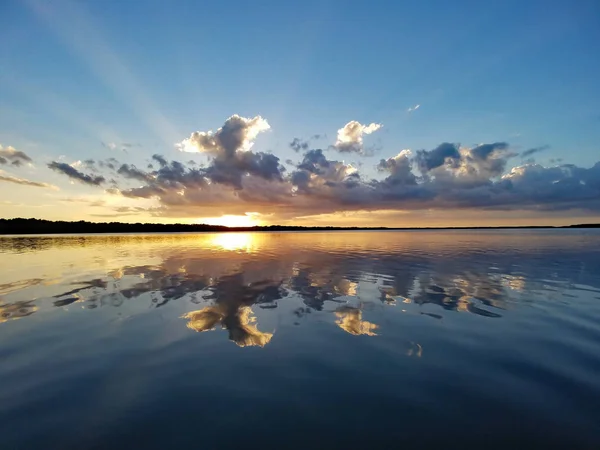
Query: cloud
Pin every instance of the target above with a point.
(75, 174)
(237, 179)
(160, 160)
(298, 144)
(24, 182)
(443, 153)
(400, 169)
(534, 150)
(14, 156)
(229, 150)
(350, 137)
(132, 172)
(123, 146)
(413, 108)
(236, 134)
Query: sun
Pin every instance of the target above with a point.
(247, 220)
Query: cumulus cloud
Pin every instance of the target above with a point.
(236, 134)
(400, 169)
(24, 182)
(237, 179)
(73, 173)
(230, 151)
(442, 154)
(14, 156)
(350, 137)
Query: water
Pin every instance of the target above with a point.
(460, 339)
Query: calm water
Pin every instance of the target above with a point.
(301, 340)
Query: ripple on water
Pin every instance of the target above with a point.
(426, 337)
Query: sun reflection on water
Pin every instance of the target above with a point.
(226, 278)
(233, 241)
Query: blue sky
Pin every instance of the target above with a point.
(76, 74)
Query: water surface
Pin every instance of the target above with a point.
(458, 339)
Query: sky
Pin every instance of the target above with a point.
(345, 113)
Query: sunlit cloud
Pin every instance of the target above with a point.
(350, 137)
(237, 179)
(11, 179)
(13, 156)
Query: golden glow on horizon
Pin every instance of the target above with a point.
(229, 220)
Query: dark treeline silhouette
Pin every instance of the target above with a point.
(41, 226)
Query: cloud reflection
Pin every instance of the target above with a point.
(239, 323)
(233, 281)
(350, 320)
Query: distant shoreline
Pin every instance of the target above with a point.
(39, 226)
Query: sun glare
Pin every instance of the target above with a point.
(233, 241)
(231, 221)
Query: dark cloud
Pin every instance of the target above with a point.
(430, 159)
(469, 178)
(229, 150)
(160, 160)
(132, 172)
(484, 151)
(314, 161)
(16, 157)
(237, 179)
(75, 174)
(400, 169)
(110, 163)
(298, 144)
(534, 150)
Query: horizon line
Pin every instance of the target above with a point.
(11, 227)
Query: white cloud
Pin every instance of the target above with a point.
(350, 137)
(413, 108)
(237, 134)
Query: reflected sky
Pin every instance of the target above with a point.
(393, 337)
(232, 281)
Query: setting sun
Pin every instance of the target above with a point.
(231, 221)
